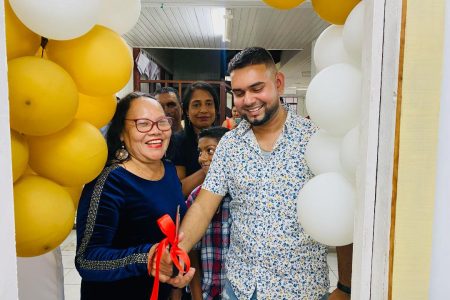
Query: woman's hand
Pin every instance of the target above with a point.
(166, 268)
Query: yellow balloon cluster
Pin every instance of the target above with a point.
(19, 153)
(44, 215)
(99, 61)
(70, 157)
(42, 96)
(283, 4)
(334, 11)
(75, 193)
(20, 41)
(96, 110)
(60, 94)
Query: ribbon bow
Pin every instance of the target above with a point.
(167, 227)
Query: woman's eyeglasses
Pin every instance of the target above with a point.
(145, 125)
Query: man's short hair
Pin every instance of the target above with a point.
(251, 56)
(167, 90)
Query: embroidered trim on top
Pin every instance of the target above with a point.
(90, 223)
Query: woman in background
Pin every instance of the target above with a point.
(200, 109)
(232, 122)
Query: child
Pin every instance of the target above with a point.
(213, 247)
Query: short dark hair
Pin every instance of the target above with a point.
(216, 132)
(167, 90)
(251, 56)
(118, 123)
(199, 85)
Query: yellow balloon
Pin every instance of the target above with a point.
(283, 4)
(43, 98)
(96, 110)
(29, 171)
(19, 153)
(75, 193)
(44, 215)
(334, 11)
(72, 156)
(100, 61)
(20, 41)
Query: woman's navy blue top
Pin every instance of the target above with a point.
(116, 227)
(184, 152)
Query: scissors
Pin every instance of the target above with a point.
(175, 270)
(177, 224)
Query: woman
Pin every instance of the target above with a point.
(116, 222)
(200, 109)
(232, 122)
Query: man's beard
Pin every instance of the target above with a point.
(267, 115)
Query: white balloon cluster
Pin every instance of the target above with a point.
(69, 19)
(326, 203)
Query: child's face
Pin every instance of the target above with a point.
(206, 148)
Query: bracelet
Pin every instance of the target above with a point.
(344, 288)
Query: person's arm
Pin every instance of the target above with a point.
(196, 283)
(189, 183)
(176, 294)
(96, 258)
(225, 123)
(344, 257)
(193, 228)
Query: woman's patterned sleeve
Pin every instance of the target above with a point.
(97, 221)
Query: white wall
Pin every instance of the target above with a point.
(8, 265)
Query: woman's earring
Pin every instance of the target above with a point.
(122, 153)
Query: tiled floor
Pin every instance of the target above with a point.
(72, 279)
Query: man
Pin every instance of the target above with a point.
(170, 101)
(270, 256)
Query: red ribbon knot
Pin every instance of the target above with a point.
(177, 254)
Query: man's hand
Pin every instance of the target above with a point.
(338, 295)
(182, 280)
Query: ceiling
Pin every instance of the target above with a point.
(189, 25)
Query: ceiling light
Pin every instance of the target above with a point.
(221, 19)
(228, 17)
(217, 14)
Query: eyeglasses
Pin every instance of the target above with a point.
(145, 125)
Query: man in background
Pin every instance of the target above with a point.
(170, 101)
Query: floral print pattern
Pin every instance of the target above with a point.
(269, 250)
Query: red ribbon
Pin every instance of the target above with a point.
(167, 227)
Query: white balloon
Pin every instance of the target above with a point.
(352, 34)
(120, 15)
(322, 153)
(56, 19)
(326, 207)
(349, 152)
(329, 48)
(333, 98)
